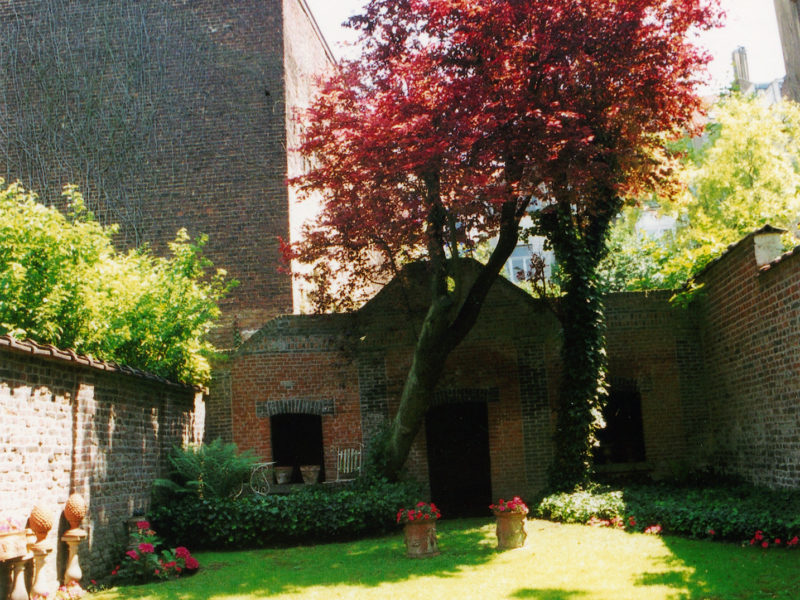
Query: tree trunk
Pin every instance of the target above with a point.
(579, 245)
(449, 319)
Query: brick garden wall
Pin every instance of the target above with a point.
(69, 428)
(751, 345)
(655, 344)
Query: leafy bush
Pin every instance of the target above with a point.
(63, 283)
(214, 470)
(316, 513)
(729, 513)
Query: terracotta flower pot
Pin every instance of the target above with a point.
(310, 473)
(283, 475)
(420, 538)
(510, 530)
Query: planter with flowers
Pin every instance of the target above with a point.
(419, 528)
(510, 523)
(146, 561)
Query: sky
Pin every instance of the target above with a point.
(749, 23)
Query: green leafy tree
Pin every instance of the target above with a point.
(63, 283)
(743, 174)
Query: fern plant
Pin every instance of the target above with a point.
(214, 470)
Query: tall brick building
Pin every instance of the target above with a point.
(788, 13)
(167, 114)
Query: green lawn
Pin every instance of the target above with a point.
(559, 562)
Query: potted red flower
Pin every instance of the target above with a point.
(510, 517)
(419, 528)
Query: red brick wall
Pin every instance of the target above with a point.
(66, 428)
(719, 380)
(301, 371)
(655, 344)
(751, 344)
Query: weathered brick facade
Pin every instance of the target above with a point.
(751, 350)
(718, 381)
(69, 427)
(167, 114)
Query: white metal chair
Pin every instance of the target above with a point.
(348, 462)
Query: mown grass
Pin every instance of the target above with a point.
(559, 562)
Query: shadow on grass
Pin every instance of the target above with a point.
(366, 563)
(548, 594)
(699, 569)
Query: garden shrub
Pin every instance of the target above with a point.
(63, 283)
(148, 559)
(318, 513)
(731, 513)
(213, 470)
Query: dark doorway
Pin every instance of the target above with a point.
(622, 440)
(297, 440)
(458, 458)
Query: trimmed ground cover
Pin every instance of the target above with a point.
(559, 562)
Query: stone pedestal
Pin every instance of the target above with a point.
(41, 586)
(73, 572)
(18, 589)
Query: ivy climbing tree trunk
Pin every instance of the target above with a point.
(579, 244)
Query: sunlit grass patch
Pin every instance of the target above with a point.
(558, 562)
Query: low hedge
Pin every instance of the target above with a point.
(730, 513)
(312, 513)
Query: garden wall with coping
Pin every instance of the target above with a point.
(749, 312)
(71, 424)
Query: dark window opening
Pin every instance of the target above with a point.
(296, 441)
(457, 437)
(622, 439)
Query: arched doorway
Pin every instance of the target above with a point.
(622, 439)
(457, 436)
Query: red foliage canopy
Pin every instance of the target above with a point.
(459, 108)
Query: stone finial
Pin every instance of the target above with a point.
(40, 521)
(75, 510)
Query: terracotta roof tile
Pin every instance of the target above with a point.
(69, 355)
(794, 251)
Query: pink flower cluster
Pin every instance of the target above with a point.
(10, 524)
(759, 539)
(515, 505)
(144, 562)
(421, 512)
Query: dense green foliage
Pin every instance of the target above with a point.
(316, 513)
(214, 470)
(63, 283)
(732, 513)
(579, 245)
(743, 174)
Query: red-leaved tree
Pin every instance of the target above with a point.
(461, 116)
